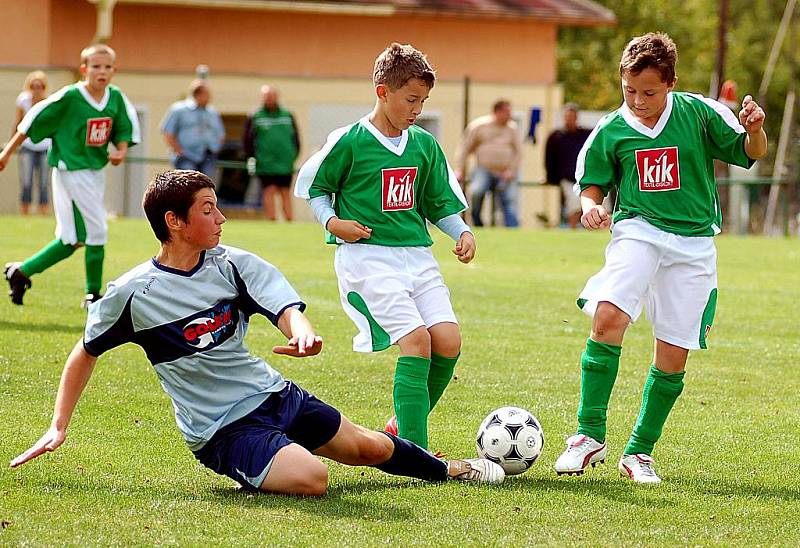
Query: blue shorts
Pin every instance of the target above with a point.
(243, 450)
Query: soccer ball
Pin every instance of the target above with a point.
(511, 437)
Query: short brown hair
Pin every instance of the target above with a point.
(97, 48)
(654, 50)
(173, 191)
(500, 104)
(398, 64)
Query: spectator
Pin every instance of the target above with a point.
(560, 156)
(271, 137)
(495, 141)
(32, 156)
(193, 130)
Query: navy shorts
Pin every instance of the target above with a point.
(283, 181)
(243, 450)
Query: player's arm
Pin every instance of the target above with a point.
(10, 147)
(77, 371)
(117, 156)
(302, 340)
(594, 214)
(752, 118)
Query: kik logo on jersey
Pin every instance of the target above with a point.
(215, 327)
(398, 188)
(98, 130)
(658, 169)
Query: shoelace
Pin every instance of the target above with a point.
(646, 467)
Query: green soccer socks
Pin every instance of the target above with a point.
(94, 268)
(659, 395)
(441, 372)
(599, 366)
(46, 257)
(411, 400)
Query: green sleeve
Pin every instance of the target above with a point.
(43, 121)
(597, 165)
(726, 136)
(442, 194)
(332, 169)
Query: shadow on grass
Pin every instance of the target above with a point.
(739, 489)
(45, 327)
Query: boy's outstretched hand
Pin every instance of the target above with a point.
(348, 230)
(465, 247)
(301, 346)
(116, 157)
(751, 116)
(51, 440)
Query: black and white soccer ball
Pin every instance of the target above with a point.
(511, 437)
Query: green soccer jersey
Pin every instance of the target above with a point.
(393, 189)
(275, 141)
(81, 127)
(665, 174)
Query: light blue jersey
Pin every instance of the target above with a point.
(192, 327)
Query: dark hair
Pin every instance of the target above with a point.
(654, 50)
(500, 104)
(174, 191)
(398, 64)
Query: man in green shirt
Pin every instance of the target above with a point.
(271, 137)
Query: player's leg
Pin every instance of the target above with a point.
(44, 181)
(286, 203)
(410, 392)
(90, 219)
(357, 446)
(681, 308)
(479, 183)
(613, 297)
(295, 471)
(268, 197)
(445, 351)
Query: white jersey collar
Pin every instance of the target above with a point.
(382, 139)
(635, 124)
(89, 99)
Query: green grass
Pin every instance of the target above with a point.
(729, 457)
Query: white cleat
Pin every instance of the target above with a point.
(639, 468)
(475, 470)
(581, 451)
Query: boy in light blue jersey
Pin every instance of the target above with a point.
(374, 186)
(189, 308)
(658, 149)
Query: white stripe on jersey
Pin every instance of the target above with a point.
(725, 113)
(581, 161)
(26, 122)
(307, 174)
(136, 132)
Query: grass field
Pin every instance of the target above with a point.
(729, 457)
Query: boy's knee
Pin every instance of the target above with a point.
(416, 343)
(446, 342)
(609, 318)
(312, 481)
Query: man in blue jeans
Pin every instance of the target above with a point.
(496, 143)
(194, 131)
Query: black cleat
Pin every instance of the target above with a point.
(18, 282)
(90, 298)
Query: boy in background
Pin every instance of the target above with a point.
(189, 308)
(658, 148)
(81, 119)
(374, 186)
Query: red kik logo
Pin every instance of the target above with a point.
(98, 130)
(398, 188)
(658, 169)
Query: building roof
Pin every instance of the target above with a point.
(561, 12)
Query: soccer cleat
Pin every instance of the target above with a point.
(581, 451)
(639, 468)
(18, 282)
(89, 299)
(391, 426)
(475, 470)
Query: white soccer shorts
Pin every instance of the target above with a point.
(673, 277)
(390, 291)
(84, 188)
